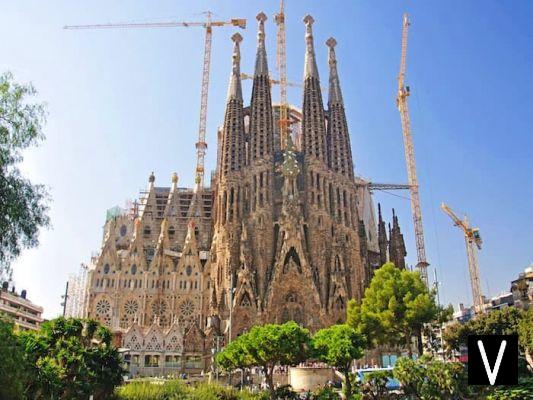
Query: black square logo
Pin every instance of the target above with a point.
(493, 360)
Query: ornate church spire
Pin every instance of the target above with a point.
(313, 124)
(233, 130)
(261, 121)
(397, 249)
(340, 153)
(261, 66)
(382, 238)
(235, 86)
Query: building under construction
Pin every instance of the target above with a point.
(285, 231)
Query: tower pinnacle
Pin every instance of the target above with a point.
(310, 60)
(261, 67)
(335, 94)
(235, 87)
(313, 121)
(340, 152)
(261, 120)
(232, 149)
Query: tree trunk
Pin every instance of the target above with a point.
(419, 342)
(409, 342)
(269, 380)
(347, 383)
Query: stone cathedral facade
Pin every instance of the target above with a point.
(280, 234)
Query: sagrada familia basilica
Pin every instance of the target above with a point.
(279, 235)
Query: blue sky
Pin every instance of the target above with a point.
(125, 102)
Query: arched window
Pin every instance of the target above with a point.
(106, 269)
(133, 269)
(171, 231)
(245, 300)
(147, 231)
(339, 303)
(291, 298)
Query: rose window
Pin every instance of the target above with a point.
(103, 307)
(187, 308)
(131, 307)
(159, 307)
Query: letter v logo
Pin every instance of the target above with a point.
(492, 374)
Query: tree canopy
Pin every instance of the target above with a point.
(266, 346)
(12, 374)
(507, 321)
(71, 359)
(395, 307)
(338, 346)
(23, 205)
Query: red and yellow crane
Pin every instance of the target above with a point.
(208, 25)
(473, 244)
(284, 121)
(401, 101)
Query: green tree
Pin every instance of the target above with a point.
(507, 321)
(525, 336)
(432, 331)
(338, 346)
(395, 307)
(23, 205)
(71, 359)
(430, 379)
(267, 346)
(12, 374)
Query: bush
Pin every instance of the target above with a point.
(178, 390)
(146, 390)
(326, 393)
(375, 385)
(431, 379)
(12, 374)
(523, 391)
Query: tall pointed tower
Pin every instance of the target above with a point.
(260, 175)
(229, 200)
(340, 151)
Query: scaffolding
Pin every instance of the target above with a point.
(76, 296)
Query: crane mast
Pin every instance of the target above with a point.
(284, 121)
(201, 145)
(401, 100)
(473, 243)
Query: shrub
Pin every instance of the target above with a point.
(431, 379)
(148, 390)
(523, 390)
(178, 390)
(375, 385)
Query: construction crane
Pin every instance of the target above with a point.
(360, 182)
(208, 25)
(473, 244)
(284, 121)
(277, 82)
(401, 101)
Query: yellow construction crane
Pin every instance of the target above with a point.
(284, 120)
(401, 101)
(208, 24)
(473, 243)
(276, 82)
